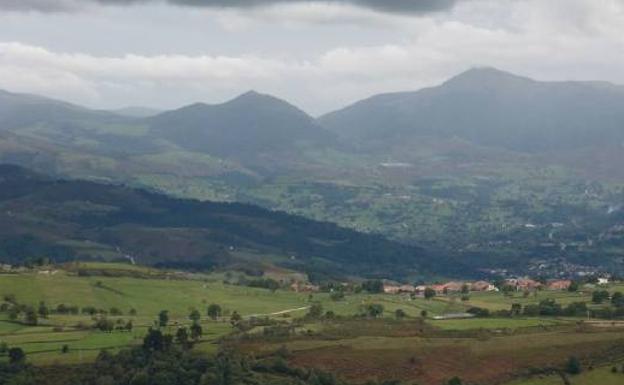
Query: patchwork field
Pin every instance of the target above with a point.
(489, 350)
(432, 358)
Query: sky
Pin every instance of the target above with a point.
(318, 55)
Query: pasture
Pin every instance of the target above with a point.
(419, 349)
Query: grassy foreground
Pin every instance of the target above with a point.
(425, 351)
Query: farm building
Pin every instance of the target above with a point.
(303, 287)
(453, 287)
(522, 284)
(391, 289)
(562, 284)
(482, 286)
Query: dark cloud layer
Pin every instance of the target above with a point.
(397, 6)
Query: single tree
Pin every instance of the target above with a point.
(163, 318)
(214, 311)
(182, 336)
(400, 314)
(196, 331)
(43, 310)
(194, 316)
(429, 293)
(30, 317)
(316, 310)
(16, 356)
(374, 310)
(235, 318)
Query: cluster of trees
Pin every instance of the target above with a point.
(106, 325)
(550, 307)
(31, 315)
(166, 359)
(372, 310)
(19, 312)
(264, 283)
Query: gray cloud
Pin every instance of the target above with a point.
(393, 6)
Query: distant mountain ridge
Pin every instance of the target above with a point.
(491, 108)
(250, 124)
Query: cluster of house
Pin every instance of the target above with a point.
(449, 287)
(304, 287)
(518, 284)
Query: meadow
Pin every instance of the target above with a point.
(481, 350)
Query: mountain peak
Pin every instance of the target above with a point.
(479, 76)
(255, 97)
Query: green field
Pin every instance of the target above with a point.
(148, 297)
(495, 323)
(598, 376)
(340, 345)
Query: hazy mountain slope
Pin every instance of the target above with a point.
(137, 112)
(248, 126)
(490, 108)
(19, 111)
(41, 216)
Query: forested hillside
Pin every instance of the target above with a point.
(64, 220)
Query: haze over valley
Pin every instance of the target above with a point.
(457, 168)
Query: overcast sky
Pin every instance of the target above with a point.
(319, 55)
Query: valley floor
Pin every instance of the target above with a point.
(413, 349)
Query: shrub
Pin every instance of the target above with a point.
(573, 366)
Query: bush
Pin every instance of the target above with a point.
(573, 366)
(373, 310)
(16, 355)
(479, 312)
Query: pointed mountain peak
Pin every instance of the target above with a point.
(490, 76)
(254, 97)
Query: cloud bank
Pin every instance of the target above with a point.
(165, 57)
(392, 6)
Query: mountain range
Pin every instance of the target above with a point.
(489, 107)
(492, 168)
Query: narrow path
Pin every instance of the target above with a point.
(278, 312)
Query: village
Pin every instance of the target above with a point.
(511, 284)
